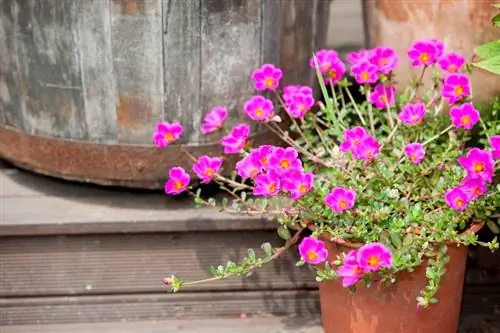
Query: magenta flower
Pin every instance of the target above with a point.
(415, 152)
(495, 145)
(455, 87)
(236, 140)
(298, 183)
(464, 116)
(367, 149)
(166, 133)
(259, 108)
(214, 120)
(412, 114)
(365, 72)
(385, 59)
(283, 160)
(456, 198)
(267, 77)
(356, 57)
(473, 187)
(350, 271)
(424, 52)
(299, 104)
(247, 168)
(260, 156)
(329, 64)
(312, 250)
(352, 137)
(178, 181)
(206, 167)
(267, 184)
(290, 90)
(340, 199)
(382, 96)
(478, 163)
(374, 256)
(451, 62)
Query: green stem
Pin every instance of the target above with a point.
(355, 105)
(438, 135)
(370, 110)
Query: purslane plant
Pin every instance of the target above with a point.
(390, 173)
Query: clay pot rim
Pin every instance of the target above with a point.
(472, 229)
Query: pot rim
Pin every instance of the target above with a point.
(472, 229)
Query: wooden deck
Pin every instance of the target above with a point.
(74, 256)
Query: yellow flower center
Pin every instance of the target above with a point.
(332, 74)
(254, 173)
(477, 191)
(303, 188)
(312, 255)
(383, 99)
(169, 137)
(209, 172)
(414, 118)
(459, 203)
(413, 157)
(264, 161)
(452, 68)
(356, 270)
(285, 164)
(272, 187)
(373, 261)
(465, 120)
(459, 90)
(269, 82)
(355, 142)
(424, 57)
(365, 76)
(383, 62)
(343, 204)
(478, 167)
(178, 185)
(259, 112)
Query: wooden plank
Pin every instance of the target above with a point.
(12, 92)
(98, 81)
(137, 43)
(137, 263)
(270, 34)
(231, 41)
(182, 65)
(288, 46)
(50, 68)
(304, 31)
(221, 325)
(188, 306)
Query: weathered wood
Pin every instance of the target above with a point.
(58, 310)
(221, 325)
(182, 65)
(98, 80)
(137, 48)
(270, 36)
(50, 68)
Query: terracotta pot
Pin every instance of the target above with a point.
(393, 309)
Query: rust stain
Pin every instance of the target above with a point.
(133, 112)
(127, 6)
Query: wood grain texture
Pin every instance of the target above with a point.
(137, 263)
(182, 65)
(136, 28)
(50, 68)
(98, 80)
(192, 306)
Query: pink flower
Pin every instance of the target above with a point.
(385, 59)
(478, 163)
(495, 145)
(439, 47)
(350, 271)
(166, 133)
(424, 52)
(412, 114)
(382, 96)
(329, 64)
(451, 62)
(206, 167)
(260, 156)
(464, 116)
(473, 187)
(299, 104)
(356, 57)
(352, 137)
(259, 108)
(178, 181)
(367, 149)
(374, 256)
(267, 77)
(415, 152)
(283, 160)
(291, 90)
(364, 72)
(455, 87)
(214, 120)
(312, 250)
(247, 168)
(236, 140)
(298, 183)
(267, 184)
(340, 199)
(456, 198)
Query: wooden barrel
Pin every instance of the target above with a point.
(461, 25)
(83, 83)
